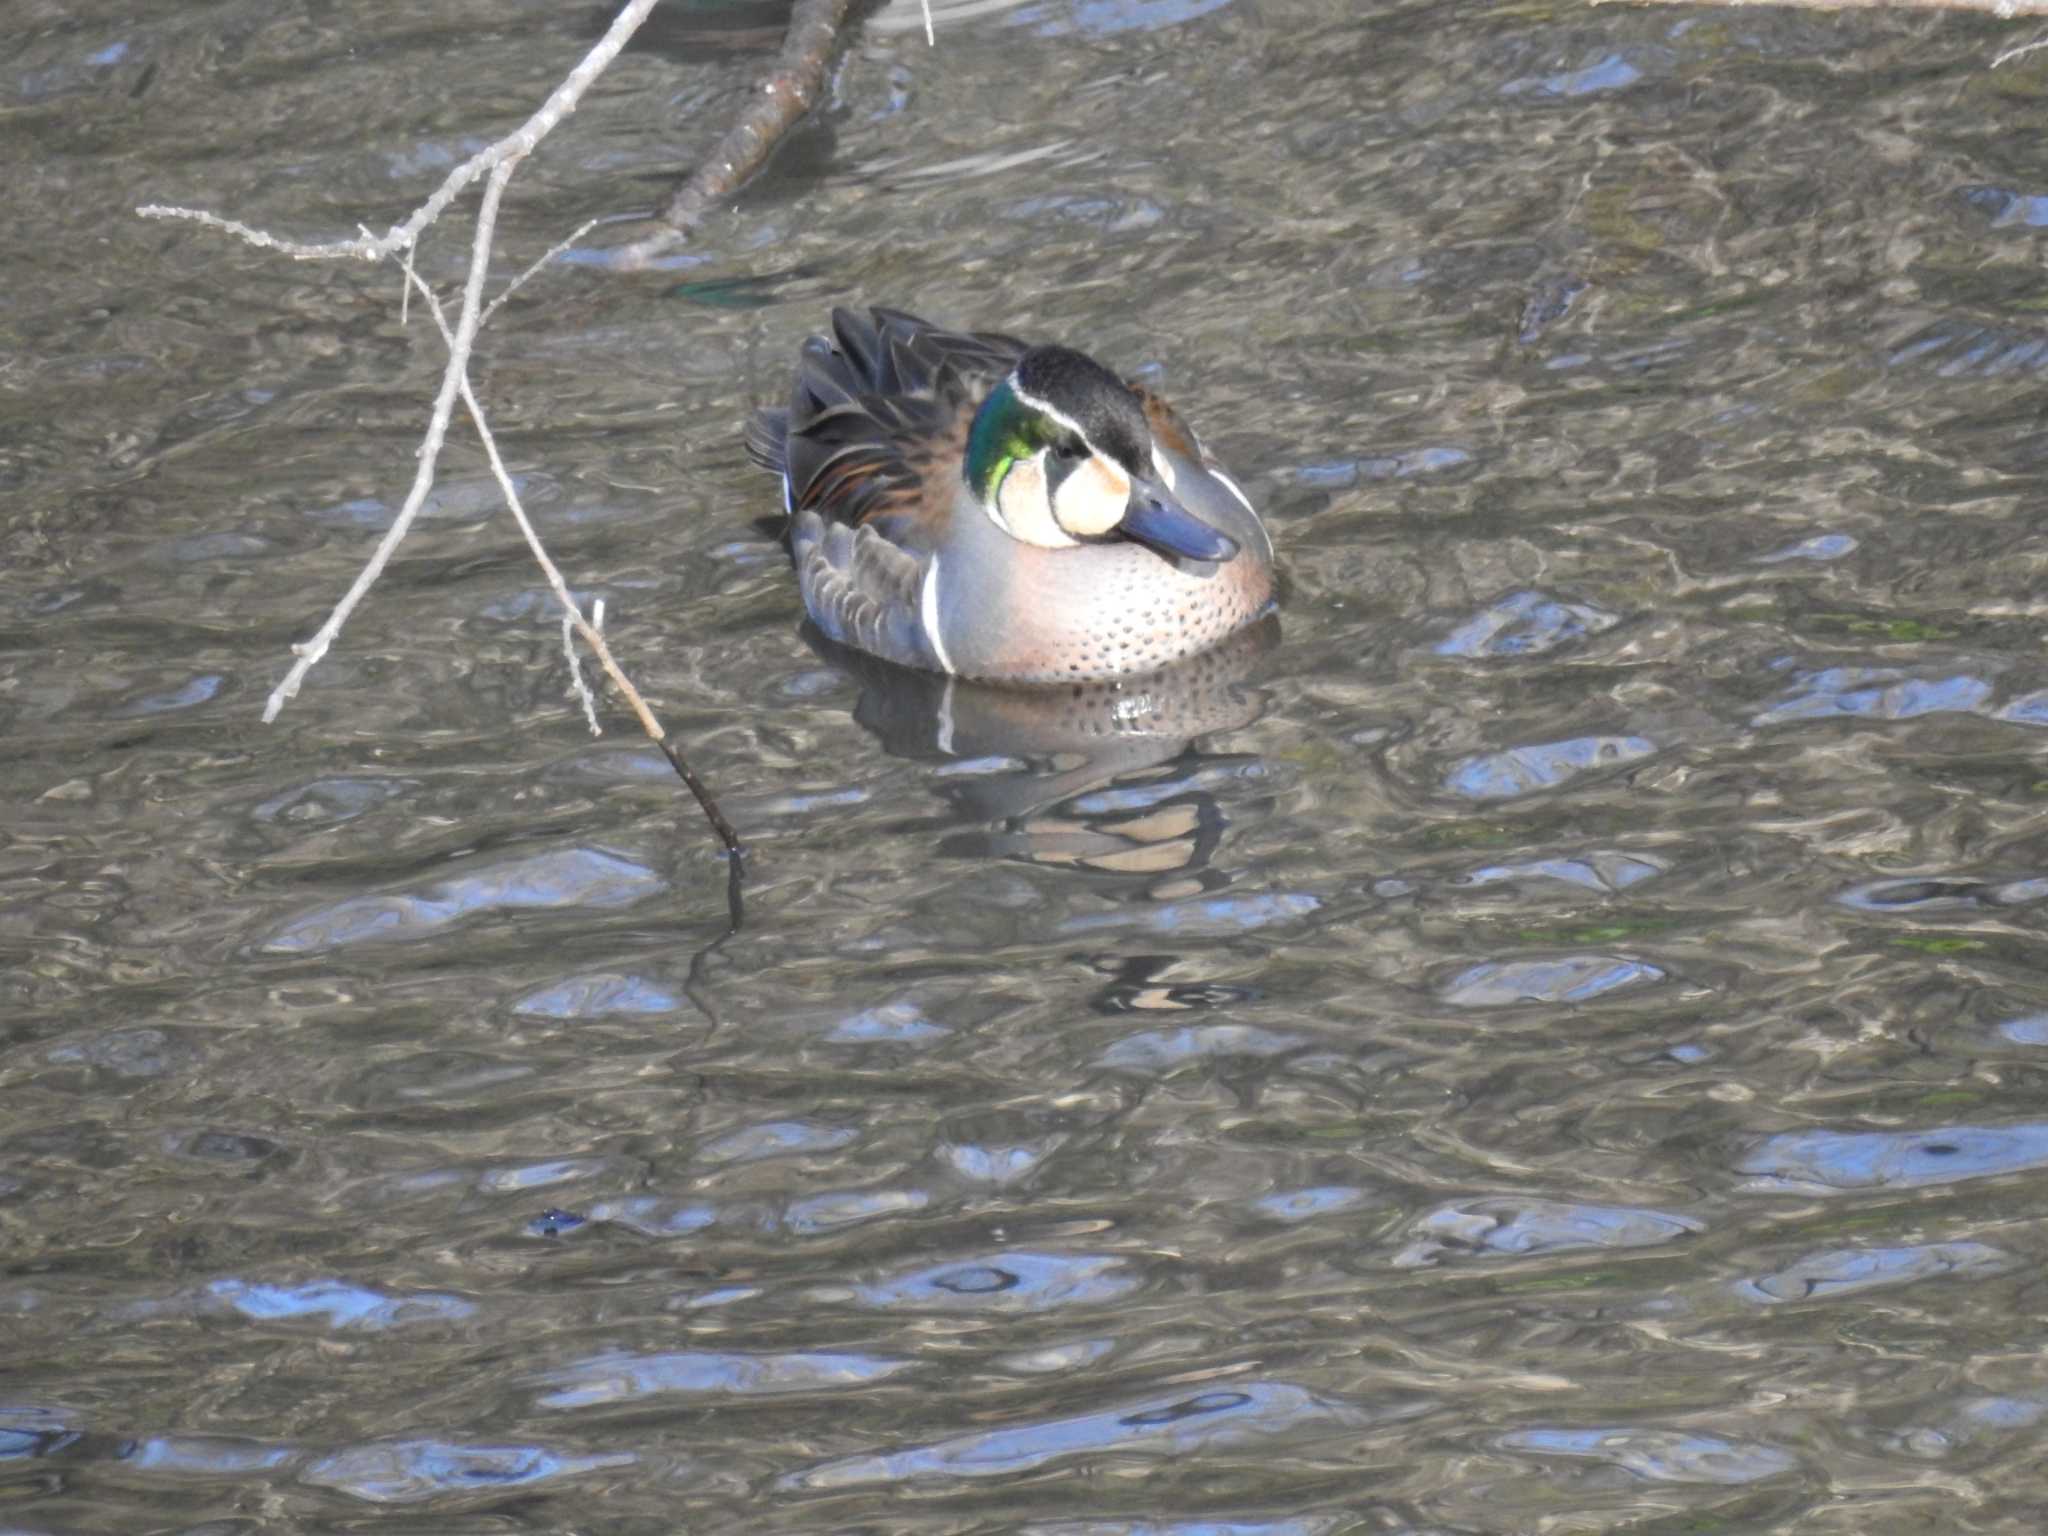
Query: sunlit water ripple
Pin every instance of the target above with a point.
(1547, 1036)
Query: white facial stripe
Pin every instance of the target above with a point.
(928, 615)
(1230, 485)
(1047, 409)
(1164, 469)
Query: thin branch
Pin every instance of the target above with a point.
(496, 165)
(456, 377)
(779, 104)
(697, 985)
(458, 369)
(405, 289)
(514, 147)
(552, 252)
(2020, 52)
(578, 688)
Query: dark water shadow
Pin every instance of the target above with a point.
(1107, 778)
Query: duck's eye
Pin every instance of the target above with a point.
(1070, 453)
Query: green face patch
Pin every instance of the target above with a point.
(1005, 430)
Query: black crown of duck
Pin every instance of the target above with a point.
(968, 504)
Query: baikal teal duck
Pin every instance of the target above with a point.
(973, 505)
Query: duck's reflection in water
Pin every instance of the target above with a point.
(1100, 777)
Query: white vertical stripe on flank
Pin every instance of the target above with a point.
(928, 614)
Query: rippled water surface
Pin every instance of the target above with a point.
(1548, 1035)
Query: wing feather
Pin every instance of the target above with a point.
(862, 589)
(870, 445)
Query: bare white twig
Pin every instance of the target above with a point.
(2020, 52)
(496, 165)
(514, 147)
(930, 41)
(405, 281)
(591, 634)
(579, 688)
(549, 255)
(457, 376)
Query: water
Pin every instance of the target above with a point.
(1549, 1037)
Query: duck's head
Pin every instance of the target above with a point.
(1061, 454)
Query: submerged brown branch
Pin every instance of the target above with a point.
(780, 102)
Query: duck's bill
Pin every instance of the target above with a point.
(1159, 522)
